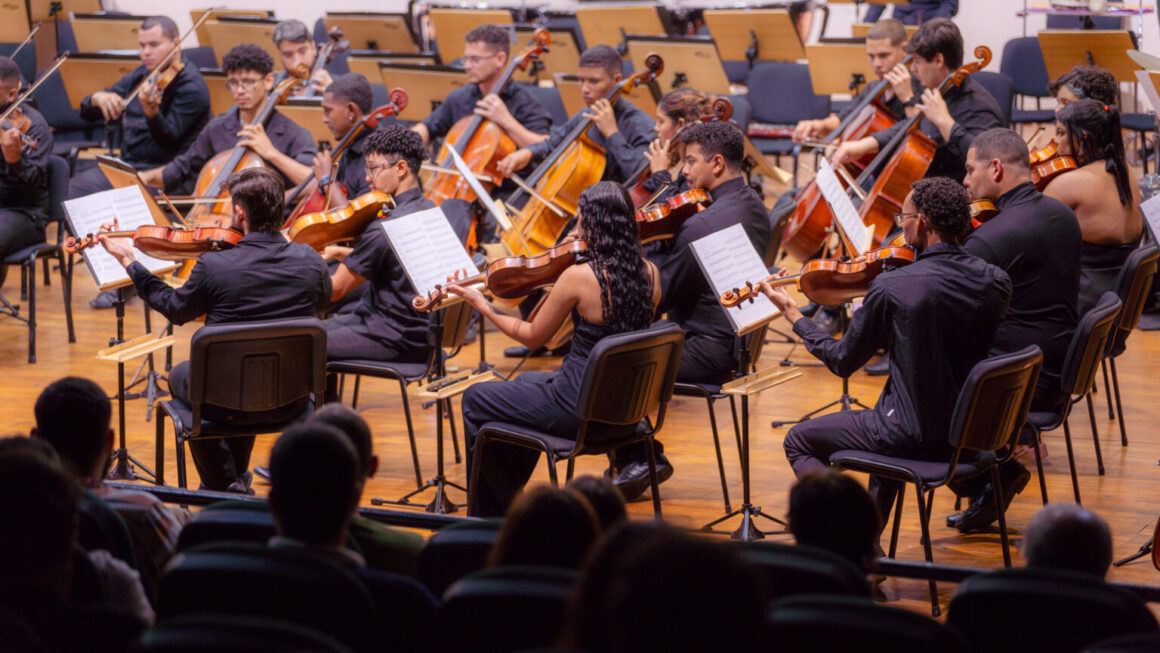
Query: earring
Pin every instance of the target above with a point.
(350, 117)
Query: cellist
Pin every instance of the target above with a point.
(284, 145)
(344, 103)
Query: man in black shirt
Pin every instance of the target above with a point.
(345, 102)
(281, 143)
(486, 51)
(23, 173)
(1036, 240)
(154, 128)
(713, 155)
(623, 130)
(263, 278)
(937, 316)
(298, 50)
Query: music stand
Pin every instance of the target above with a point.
(1064, 49)
(100, 32)
(307, 112)
(691, 61)
(755, 161)
(452, 24)
(220, 98)
(839, 68)
(366, 62)
(753, 34)
(85, 74)
(42, 10)
(859, 30)
(225, 32)
(426, 86)
(607, 24)
(644, 97)
(563, 56)
(14, 21)
(373, 31)
(203, 33)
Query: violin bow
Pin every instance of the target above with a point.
(165, 61)
(504, 220)
(27, 39)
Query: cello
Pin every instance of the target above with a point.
(574, 165)
(481, 142)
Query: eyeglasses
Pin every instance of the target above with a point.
(373, 171)
(471, 59)
(899, 218)
(235, 84)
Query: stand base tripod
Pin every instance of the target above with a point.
(440, 505)
(845, 402)
(1144, 550)
(748, 530)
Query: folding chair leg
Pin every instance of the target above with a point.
(737, 429)
(717, 449)
(410, 427)
(354, 399)
(997, 495)
(571, 469)
(1119, 405)
(473, 476)
(1107, 390)
(1039, 466)
(552, 471)
(1095, 435)
(32, 311)
(66, 290)
(1071, 462)
(159, 447)
(649, 447)
(181, 480)
(924, 520)
(897, 522)
(454, 437)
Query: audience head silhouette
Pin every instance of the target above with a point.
(38, 515)
(315, 484)
(72, 415)
(1068, 537)
(548, 527)
(355, 428)
(832, 511)
(604, 498)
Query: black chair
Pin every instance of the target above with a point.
(742, 111)
(628, 375)
(1023, 63)
(26, 258)
(26, 58)
(1088, 344)
(549, 98)
(1132, 287)
(454, 551)
(1044, 610)
(1141, 124)
(202, 56)
(245, 379)
(235, 634)
(781, 93)
(70, 132)
(825, 624)
(286, 584)
(802, 569)
(1002, 88)
(992, 404)
(1149, 643)
(509, 608)
(226, 525)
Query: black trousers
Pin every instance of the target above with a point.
(346, 337)
(219, 461)
(86, 181)
(17, 231)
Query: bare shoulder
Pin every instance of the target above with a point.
(1073, 185)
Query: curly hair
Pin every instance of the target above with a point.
(1088, 83)
(720, 137)
(945, 205)
(1093, 132)
(398, 142)
(497, 37)
(614, 250)
(687, 103)
(248, 56)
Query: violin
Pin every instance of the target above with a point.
(165, 72)
(830, 282)
(17, 120)
(1043, 173)
(662, 220)
(722, 109)
(162, 81)
(982, 211)
(334, 45)
(344, 223)
(166, 243)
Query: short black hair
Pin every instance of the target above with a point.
(831, 511)
(168, 27)
(717, 137)
(602, 56)
(291, 30)
(314, 483)
(496, 36)
(73, 414)
(38, 511)
(9, 71)
(260, 192)
(247, 56)
(353, 426)
(398, 142)
(1089, 83)
(938, 36)
(546, 526)
(1002, 144)
(945, 204)
(353, 87)
(606, 500)
(1068, 537)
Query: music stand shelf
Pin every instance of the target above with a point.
(689, 61)
(754, 35)
(224, 32)
(838, 68)
(142, 345)
(366, 62)
(644, 98)
(451, 24)
(441, 391)
(1064, 49)
(98, 32)
(86, 73)
(426, 86)
(374, 31)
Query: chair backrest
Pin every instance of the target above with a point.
(628, 375)
(1088, 345)
(549, 98)
(1001, 87)
(1148, 643)
(26, 58)
(782, 93)
(57, 188)
(1022, 609)
(1023, 63)
(257, 366)
(742, 110)
(1132, 287)
(509, 608)
(226, 525)
(202, 56)
(839, 623)
(1080, 22)
(994, 400)
(454, 551)
(793, 570)
(235, 634)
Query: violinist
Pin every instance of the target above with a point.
(1085, 83)
(23, 171)
(1104, 196)
(486, 50)
(714, 153)
(297, 49)
(283, 145)
(614, 292)
(623, 130)
(1035, 239)
(953, 120)
(937, 316)
(262, 278)
(676, 110)
(346, 100)
(156, 126)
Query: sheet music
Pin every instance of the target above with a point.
(860, 236)
(428, 249)
(728, 260)
(1151, 210)
(85, 216)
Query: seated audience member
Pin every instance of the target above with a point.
(1068, 537)
(831, 511)
(546, 527)
(72, 414)
(605, 499)
(38, 520)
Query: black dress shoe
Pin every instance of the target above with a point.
(633, 479)
(242, 484)
(881, 368)
(981, 513)
(520, 351)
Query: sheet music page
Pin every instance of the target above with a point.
(85, 216)
(728, 260)
(428, 249)
(1151, 210)
(843, 209)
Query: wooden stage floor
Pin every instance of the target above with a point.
(1128, 496)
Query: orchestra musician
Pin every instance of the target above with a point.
(622, 129)
(1085, 83)
(1104, 196)
(885, 48)
(676, 110)
(23, 173)
(486, 50)
(297, 48)
(344, 103)
(614, 292)
(714, 152)
(1035, 239)
(155, 128)
(264, 277)
(281, 143)
(937, 316)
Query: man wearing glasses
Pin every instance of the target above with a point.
(282, 144)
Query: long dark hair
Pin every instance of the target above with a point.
(1093, 132)
(616, 256)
